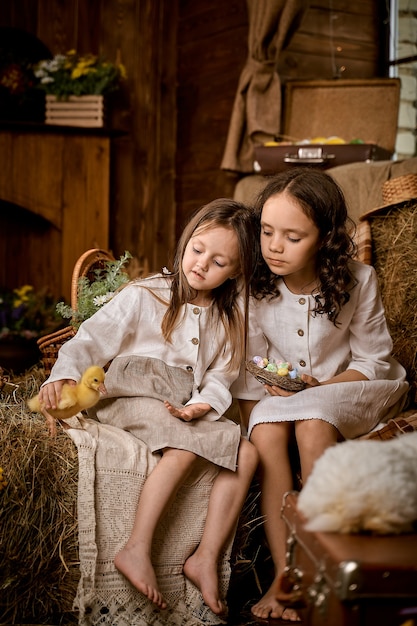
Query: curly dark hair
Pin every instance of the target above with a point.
(323, 202)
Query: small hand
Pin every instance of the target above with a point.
(273, 390)
(188, 413)
(182, 414)
(277, 391)
(49, 397)
(50, 394)
(310, 380)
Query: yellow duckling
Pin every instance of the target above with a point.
(76, 398)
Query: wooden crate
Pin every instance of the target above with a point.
(86, 111)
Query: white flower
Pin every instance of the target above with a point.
(165, 270)
(53, 65)
(100, 300)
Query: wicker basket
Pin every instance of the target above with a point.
(269, 378)
(49, 346)
(399, 189)
(86, 265)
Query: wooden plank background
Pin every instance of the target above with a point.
(183, 59)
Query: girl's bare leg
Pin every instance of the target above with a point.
(272, 441)
(245, 409)
(160, 488)
(226, 500)
(313, 437)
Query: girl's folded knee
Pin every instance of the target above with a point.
(248, 455)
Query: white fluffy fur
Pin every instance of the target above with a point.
(364, 485)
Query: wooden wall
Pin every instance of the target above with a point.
(183, 59)
(143, 34)
(347, 41)
(338, 39)
(212, 48)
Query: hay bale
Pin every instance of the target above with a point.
(394, 251)
(39, 567)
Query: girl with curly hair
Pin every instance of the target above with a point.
(316, 307)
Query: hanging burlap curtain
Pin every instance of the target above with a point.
(257, 107)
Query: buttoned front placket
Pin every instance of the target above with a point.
(194, 341)
(302, 328)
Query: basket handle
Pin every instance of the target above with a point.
(84, 265)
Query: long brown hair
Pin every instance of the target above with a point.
(225, 213)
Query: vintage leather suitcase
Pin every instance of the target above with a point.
(350, 580)
(349, 109)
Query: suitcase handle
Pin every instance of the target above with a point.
(295, 159)
(309, 155)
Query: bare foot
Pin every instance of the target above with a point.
(140, 573)
(203, 574)
(269, 605)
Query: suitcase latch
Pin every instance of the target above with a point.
(292, 582)
(312, 155)
(318, 593)
(348, 580)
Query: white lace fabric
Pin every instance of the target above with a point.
(113, 465)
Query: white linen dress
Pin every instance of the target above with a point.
(286, 329)
(145, 370)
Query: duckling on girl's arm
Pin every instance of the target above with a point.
(74, 397)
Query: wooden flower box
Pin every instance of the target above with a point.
(86, 111)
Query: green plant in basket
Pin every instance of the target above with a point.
(93, 294)
(73, 75)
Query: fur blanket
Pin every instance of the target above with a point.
(363, 485)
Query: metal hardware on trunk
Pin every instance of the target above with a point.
(292, 575)
(310, 155)
(348, 580)
(318, 592)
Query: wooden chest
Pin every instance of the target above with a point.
(351, 580)
(354, 110)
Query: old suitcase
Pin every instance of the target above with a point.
(355, 110)
(350, 580)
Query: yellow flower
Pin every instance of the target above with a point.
(72, 74)
(23, 291)
(84, 66)
(26, 312)
(22, 295)
(81, 70)
(123, 73)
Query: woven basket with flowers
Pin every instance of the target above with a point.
(96, 277)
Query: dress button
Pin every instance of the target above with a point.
(189, 368)
(302, 301)
(302, 363)
(196, 310)
(195, 341)
(300, 332)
